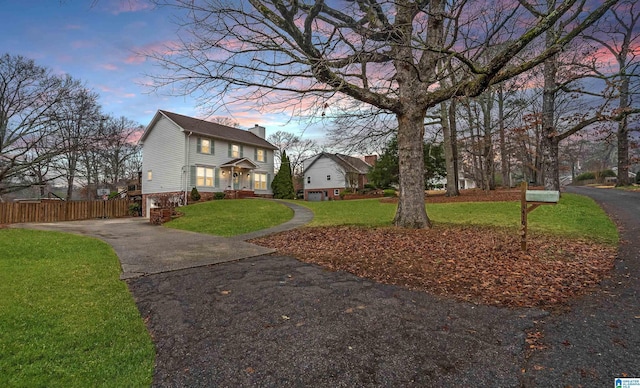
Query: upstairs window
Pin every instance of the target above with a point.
(205, 146)
(260, 155)
(308, 179)
(235, 151)
(328, 177)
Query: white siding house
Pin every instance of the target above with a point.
(326, 175)
(181, 152)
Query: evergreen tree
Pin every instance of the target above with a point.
(282, 184)
(386, 172)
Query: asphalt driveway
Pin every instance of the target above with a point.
(599, 337)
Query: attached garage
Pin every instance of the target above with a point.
(314, 196)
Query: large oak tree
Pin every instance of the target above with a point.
(398, 56)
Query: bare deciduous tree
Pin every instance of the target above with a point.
(29, 94)
(297, 149)
(78, 122)
(385, 54)
(119, 146)
(618, 34)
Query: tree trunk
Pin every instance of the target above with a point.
(548, 138)
(623, 134)
(70, 180)
(487, 142)
(411, 212)
(448, 115)
(504, 155)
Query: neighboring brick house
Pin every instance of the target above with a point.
(326, 175)
(181, 152)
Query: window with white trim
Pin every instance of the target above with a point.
(260, 155)
(308, 179)
(149, 175)
(204, 176)
(260, 181)
(206, 146)
(328, 177)
(235, 151)
(336, 192)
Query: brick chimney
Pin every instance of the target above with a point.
(258, 131)
(371, 159)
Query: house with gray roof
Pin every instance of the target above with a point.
(181, 152)
(326, 175)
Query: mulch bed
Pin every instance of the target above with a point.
(477, 264)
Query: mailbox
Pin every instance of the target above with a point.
(545, 196)
(530, 200)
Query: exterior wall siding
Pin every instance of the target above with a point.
(221, 156)
(318, 174)
(163, 154)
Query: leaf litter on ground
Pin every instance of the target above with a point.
(481, 265)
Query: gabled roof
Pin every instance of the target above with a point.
(242, 162)
(348, 163)
(209, 129)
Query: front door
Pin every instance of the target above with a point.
(237, 176)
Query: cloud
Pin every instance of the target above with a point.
(73, 27)
(109, 66)
(166, 47)
(135, 59)
(117, 7)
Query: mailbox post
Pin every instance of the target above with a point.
(529, 201)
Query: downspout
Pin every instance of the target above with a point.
(186, 169)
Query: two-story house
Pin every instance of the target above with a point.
(326, 175)
(181, 152)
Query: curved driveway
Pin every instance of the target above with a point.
(599, 338)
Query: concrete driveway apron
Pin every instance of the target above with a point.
(145, 249)
(149, 249)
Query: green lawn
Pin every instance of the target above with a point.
(66, 320)
(574, 215)
(231, 217)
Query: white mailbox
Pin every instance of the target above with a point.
(545, 196)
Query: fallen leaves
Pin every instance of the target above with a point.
(476, 264)
(534, 340)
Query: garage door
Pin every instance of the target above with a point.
(314, 196)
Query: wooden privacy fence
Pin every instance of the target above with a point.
(55, 211)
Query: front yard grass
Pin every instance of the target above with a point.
(574, 216)
(231, 217)
(66, 320)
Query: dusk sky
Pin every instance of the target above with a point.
(99, 44)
